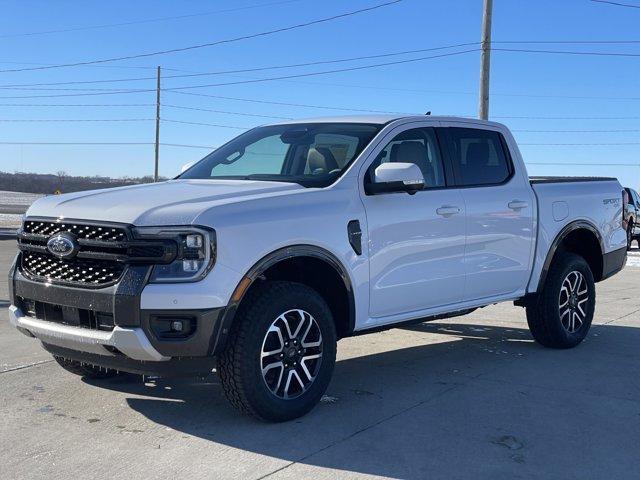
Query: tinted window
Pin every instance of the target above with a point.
(418, 146)
(477, 156)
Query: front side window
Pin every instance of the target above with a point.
(478, 156)
(418, 146)
(312, 154)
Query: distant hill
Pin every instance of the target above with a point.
(62, 182)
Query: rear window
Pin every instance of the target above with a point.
(478, 156)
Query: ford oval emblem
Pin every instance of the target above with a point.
(62, 245)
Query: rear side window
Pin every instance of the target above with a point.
(478, 156)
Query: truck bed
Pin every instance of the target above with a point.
(547, 179)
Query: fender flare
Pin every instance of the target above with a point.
(569, 228)
(219, 338)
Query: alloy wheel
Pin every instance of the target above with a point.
(572, 301)
(291, 354)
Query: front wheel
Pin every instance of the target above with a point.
(561, 314)
(630, 236)
(281, 352)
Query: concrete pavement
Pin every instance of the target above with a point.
(469, 397)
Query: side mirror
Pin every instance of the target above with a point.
(187, 166)
(396, 177)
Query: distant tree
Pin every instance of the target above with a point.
(62, 175)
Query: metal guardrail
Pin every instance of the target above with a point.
(8, 233)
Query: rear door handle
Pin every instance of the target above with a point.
(447, 210)
(517, 205)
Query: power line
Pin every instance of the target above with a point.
(573, 42)
(578, 131)
(325, 72)
(76, 143)
(75, 82)
(208, 147)
(205, 124)
(566, 52)
(581, 144)
(617, 4)
(128, 67)
(227, 112)
(362, 110)
(218, 42)
(151, 20)
(523, 117)
(255, 69)
(584, 164)
(16, 120)
(287, 104)
(115, 92)
(246, 70)
(77, 104)
(65, 89)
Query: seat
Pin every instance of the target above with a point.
(477, 160)
(416, 153)
(321, 160)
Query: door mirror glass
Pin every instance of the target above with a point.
(396, 177)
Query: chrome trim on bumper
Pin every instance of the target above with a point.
(130, 341)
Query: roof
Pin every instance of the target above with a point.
(382, 119)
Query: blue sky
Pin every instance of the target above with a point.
(522, 84)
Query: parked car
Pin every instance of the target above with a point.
(631, 215)
(259, 257)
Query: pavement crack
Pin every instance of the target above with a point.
(620, 318)
(362, 430)
(22, 367)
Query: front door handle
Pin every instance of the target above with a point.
(517, 204)
(447, 210)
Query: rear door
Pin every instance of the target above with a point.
(416, 242)
(499, 211)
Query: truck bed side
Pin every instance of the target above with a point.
(564, 201)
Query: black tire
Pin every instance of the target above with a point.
(630, 236)
(240, 366)
(85, 370)
(543, 312)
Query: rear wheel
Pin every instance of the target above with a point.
(281, 352)
(561, 315)
(85, 370)
(630, 236)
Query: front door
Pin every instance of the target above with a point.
(416, 242)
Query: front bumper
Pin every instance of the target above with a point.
(131, 342)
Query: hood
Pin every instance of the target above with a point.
(175, 202)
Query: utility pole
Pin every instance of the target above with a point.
(485, 60)
(155, 173)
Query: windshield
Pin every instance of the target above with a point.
(313, 154)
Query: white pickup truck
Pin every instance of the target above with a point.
(259, 257)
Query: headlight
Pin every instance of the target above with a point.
(195, 253)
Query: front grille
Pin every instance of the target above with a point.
(76, 317)
(102, 253)
(81, 231)
(79, 271)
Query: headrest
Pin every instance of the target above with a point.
(321, 158)
(478, 154)
(409, 152)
